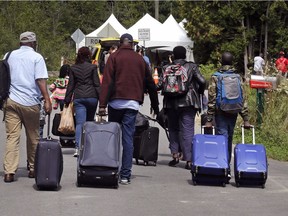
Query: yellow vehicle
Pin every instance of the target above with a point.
(101, 49)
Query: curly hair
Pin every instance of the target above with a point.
(83, 55)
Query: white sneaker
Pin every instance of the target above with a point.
(76, 154)
(125, 181)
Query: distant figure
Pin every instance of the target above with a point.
(112, 49)
(58, 88)
(259, 64)
(282, 63)
(140, 51)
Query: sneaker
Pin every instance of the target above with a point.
(124, 181)
(173, 162)
(76, 154)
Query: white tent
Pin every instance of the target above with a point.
(110, 28)
(147, 22)
(177, 36)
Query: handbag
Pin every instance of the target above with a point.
(67, 125)
(55, 126)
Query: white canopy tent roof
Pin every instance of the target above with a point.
(110, 28)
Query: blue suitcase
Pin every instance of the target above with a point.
(210, 159)
(250, 163)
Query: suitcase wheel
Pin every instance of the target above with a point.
(137, 162)
(237, 184)
(223, 184)
(145, 163)
(194, 182)
(154, 163)
(263, 186)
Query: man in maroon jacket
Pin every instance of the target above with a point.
(125, 77)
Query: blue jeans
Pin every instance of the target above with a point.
(225, 125)
(126, 118)
(181, 126)
(85, 109)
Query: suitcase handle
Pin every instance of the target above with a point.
(203, 126)
(48, 128)
(253, 134)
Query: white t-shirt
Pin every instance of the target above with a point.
(258, 64)
(26, 66)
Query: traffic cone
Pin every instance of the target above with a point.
(155, 76)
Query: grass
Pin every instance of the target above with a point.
(273, 131)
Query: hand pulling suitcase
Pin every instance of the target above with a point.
(146, 145)
(99, 159)
(209, 159)
(250, 163)
(48, 162)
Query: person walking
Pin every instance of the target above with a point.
(28, 84)
(181, 110)
(83, 88)
(282, 64)
(225, 122)
(126, 75)
(259, 63)
(59, 87)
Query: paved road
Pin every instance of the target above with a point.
(154, 191)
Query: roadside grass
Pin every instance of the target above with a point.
(273, 132)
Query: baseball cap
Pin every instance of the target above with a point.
(126, 37)
(27, 37)
(282, 53)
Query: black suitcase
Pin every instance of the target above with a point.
(146, 145)
(100, 154)
(48, 162)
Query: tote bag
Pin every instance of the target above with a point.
(67, 125)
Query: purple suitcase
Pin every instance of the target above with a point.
(250, 163)
(209, 159)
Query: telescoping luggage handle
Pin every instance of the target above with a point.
(48, 128)
(203, 126)
(253, 134)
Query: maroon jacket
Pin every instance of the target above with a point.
(127, 76)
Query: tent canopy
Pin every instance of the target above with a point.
(110, 28)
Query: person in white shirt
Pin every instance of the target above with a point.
(28, 84)
(259, 64)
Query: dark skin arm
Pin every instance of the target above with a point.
(42, 84)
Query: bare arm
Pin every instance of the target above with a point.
(42, 84)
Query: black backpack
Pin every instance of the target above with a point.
(5, 80)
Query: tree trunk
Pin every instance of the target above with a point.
(245, 50)
(266, 33)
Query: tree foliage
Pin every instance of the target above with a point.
(214, 26)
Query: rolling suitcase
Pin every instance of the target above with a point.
(250, 163)
(209, 159)
(146, 145)
(48, 162)
(99, 159)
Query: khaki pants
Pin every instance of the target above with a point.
(17, 115)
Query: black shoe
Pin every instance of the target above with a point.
(173, 162)
(188, 166)
(8, 178)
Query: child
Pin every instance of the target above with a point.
(58, 88)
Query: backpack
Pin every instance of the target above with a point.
(5, 80)
(175, 81)
(229, 96)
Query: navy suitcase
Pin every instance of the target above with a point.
(209, 159)
(146, 145)
(250, 163)
(48, 162)
(99, 159)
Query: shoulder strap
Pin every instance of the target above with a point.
(8, 55)
(217, 73)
